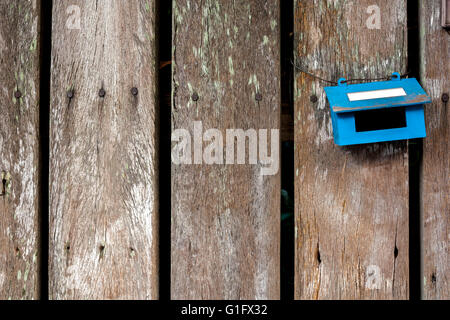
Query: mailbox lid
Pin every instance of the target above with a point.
(376, 95)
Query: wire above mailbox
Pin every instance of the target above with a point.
(377, 111)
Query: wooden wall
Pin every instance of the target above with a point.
(351, 203)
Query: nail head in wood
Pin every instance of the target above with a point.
(70, 94)
(444, 97)
(313, 98)
(258, 96)
(134, 91)
(102, 93)
(195, 96)
(17, 94)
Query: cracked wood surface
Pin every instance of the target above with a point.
(435, 187)
(351, 203)
(225, 218)
(103, 151)
(19, 149)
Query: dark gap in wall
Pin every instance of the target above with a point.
(44, 154)
(287, 245)
(164, 30)
(415, 159)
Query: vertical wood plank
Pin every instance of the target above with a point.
(103, 166)
(351, 203)
(435, 187)
(225, 218)
(19, 149)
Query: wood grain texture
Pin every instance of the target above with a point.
(351, 203)
(225, 218)
(103, 151)
(19, 149)
(435, 187)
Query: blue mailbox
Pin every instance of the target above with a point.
(377, 111)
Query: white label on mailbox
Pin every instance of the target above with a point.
(376, 94)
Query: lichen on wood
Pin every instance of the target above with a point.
(19, 149)
(225, 218)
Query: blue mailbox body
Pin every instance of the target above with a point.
(377, 111)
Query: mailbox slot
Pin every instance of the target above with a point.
(380, 119)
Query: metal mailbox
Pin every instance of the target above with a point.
(377, 111)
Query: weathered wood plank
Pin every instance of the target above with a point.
(103, 150)
(19, 149)
(435, 187)
(225, 218)
(351, 203)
